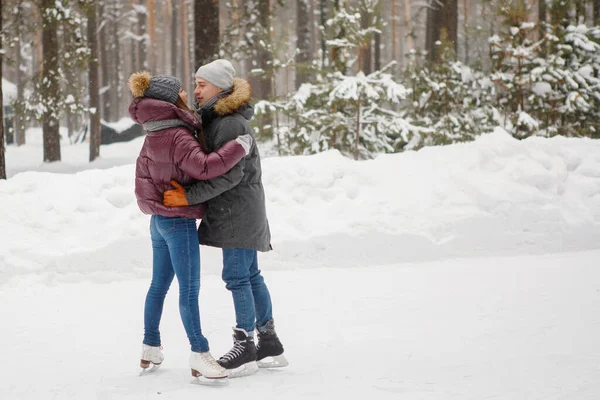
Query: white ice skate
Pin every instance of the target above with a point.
(206, 370)
(151, 355)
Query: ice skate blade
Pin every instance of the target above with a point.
(244, 370)
(214, 382)
(273, 362)
(147, 371)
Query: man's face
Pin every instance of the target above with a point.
(205, 91)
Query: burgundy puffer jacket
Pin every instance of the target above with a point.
(174, 153)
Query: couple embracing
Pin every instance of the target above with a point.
(211, 159)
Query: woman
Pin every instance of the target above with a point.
(170, 151)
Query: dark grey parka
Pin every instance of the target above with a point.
(235, 214)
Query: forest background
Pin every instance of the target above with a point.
(364, 77)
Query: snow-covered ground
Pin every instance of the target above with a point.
(461, 272)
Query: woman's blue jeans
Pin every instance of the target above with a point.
(251, 297)
(175, 252)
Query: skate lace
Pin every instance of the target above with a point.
(236, 351)
(213, 364)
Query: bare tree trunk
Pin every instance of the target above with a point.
(394, 31)
(432, 33)
(2, 150)
(133, 43)
(357, 136)
(151, 37)
(440, 19)
(261, 85)
(174, 36)
(50, 85)
(95, 137)
(304, 57)
(542, 11)
(450, 22)
(365, 51)
(596, 12)
(39, 56)
(19, 120)
(106, 106)
(377, 43)
(466, 29)
(143, 38)
(116, 77)
(408, 24)
(336, 59)
(206, 31)
(323, 12)
(186, 48)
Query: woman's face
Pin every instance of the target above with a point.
(183, 95)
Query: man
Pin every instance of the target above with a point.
(235, 218)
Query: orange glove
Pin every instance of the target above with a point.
(176, 197)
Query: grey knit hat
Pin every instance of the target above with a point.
(160, 87)
(219, 72)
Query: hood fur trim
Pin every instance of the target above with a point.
(241, 95)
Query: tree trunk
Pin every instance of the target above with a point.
(38, 59)
(2, 156)
(103, 53)
(19, 120)
(542, 21)
(323, 11)
(143, 39)
(394, 31)
(185, 38)
(596, 12)
(151, 37)
(304, 57)
(365, 51)
(174, 36)
(116, 77)
(441, 18)
(357, 135)
(377, 42)
(336, 59)
(95, 137)
(432, 32)
(133, 45)
(50, 83)
(261, 85)
(407, 21)
(450, 22)
(206, 31)
(466, 29)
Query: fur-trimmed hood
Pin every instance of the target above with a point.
(239, 98)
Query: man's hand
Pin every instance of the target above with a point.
(176, 197)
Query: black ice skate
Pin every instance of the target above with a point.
(241, 359)
(269, 352)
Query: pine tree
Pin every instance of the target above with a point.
(450, 97)
(513, 58)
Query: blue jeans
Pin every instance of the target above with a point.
(175, 252)
(251, 297)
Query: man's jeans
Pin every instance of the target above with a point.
(251, 297)
(175, 251)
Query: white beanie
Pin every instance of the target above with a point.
(219, 73)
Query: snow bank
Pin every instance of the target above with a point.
(496, 195)
(121, 125)
(9, 92)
